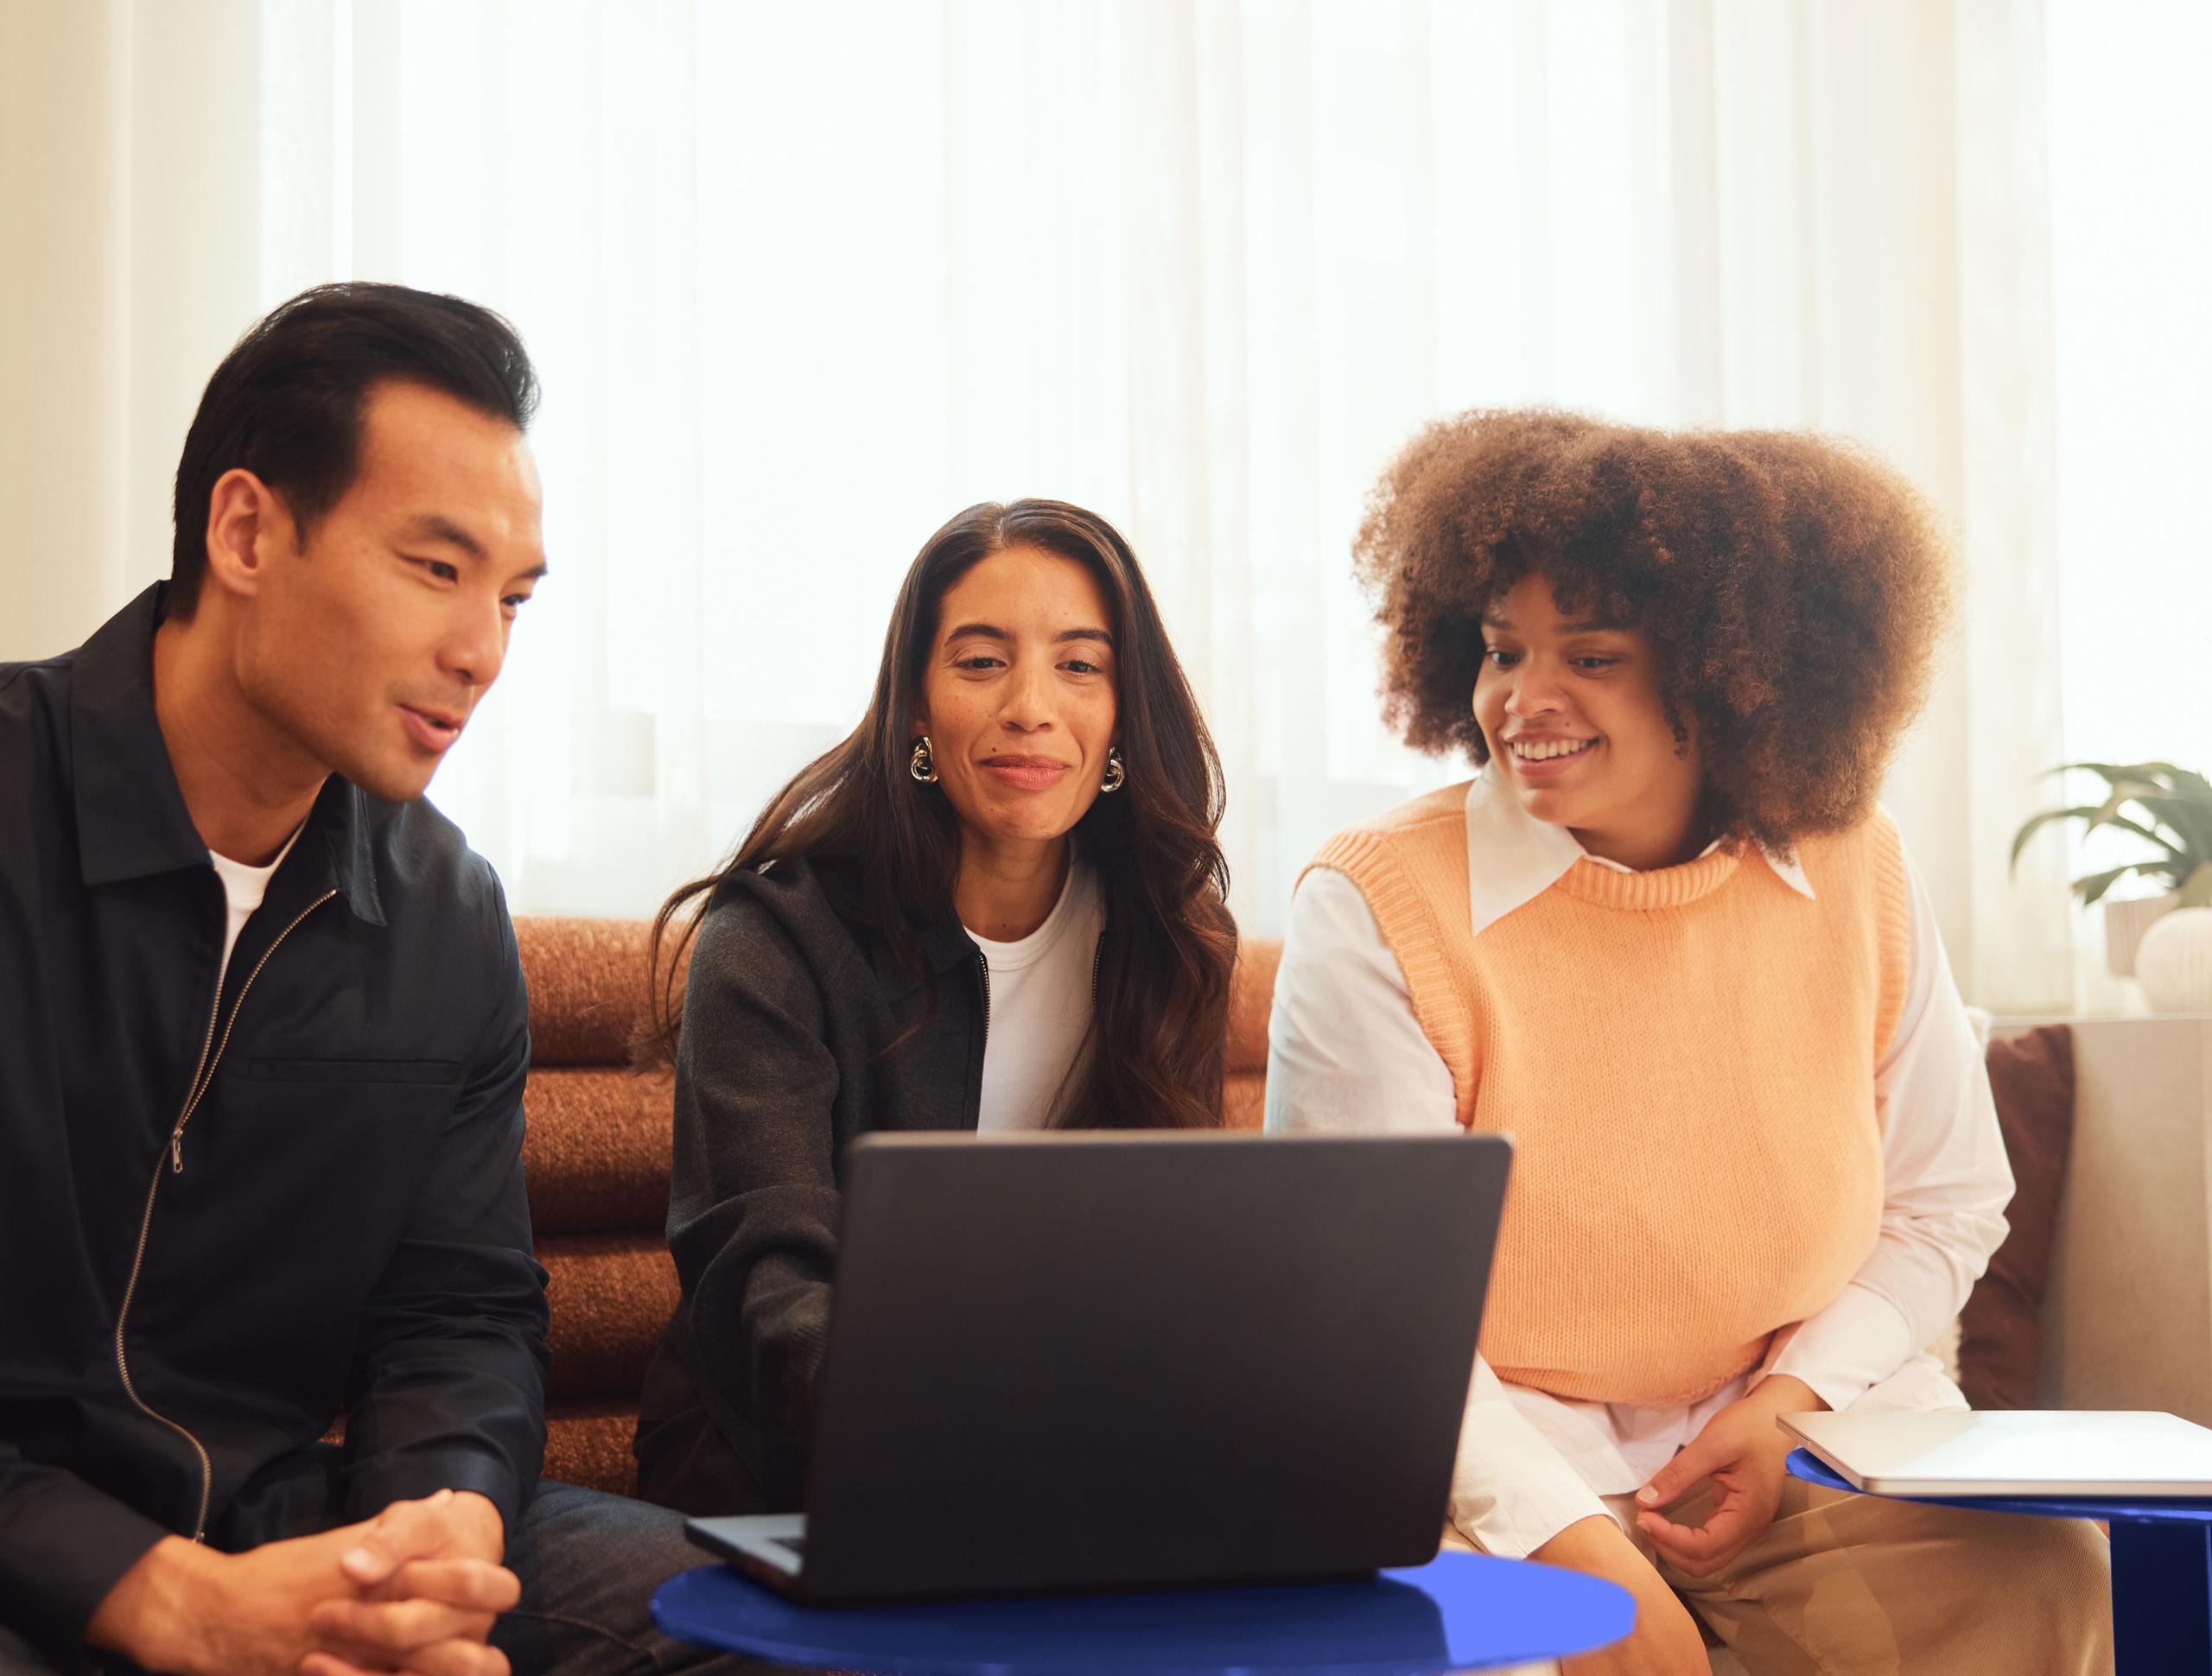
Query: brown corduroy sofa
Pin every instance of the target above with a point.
(597, 1154)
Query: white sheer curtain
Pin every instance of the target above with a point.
(2131, 142)
(802, 281)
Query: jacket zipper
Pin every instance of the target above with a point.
(203, 1077)
(984, 965)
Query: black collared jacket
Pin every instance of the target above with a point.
(224, 1219)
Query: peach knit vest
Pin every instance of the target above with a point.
(1685, 1059)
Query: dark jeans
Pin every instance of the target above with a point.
(589, 1563)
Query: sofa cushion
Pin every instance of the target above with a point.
(588, 1443)
(1244, 1098)
(2000, 1329)
(1251, 997)
(587, 990)
(610, 1296)
(596, 1149)
(1244, 1088)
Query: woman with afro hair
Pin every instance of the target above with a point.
(1666, 938)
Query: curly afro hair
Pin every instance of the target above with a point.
(1794, 588)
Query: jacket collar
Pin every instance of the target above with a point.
(131, 821)
(945, 947)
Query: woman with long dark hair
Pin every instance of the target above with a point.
(998, 903)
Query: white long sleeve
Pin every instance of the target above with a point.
(1345, 1053)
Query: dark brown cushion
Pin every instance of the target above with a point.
(587, 987)
(610, 1296)
(1251, 997)
(1243, 1099)
(588, 1443)
(2000, 1329)
(597, 1148)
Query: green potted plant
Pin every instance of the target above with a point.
(2171, 809)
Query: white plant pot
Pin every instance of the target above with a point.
(2174, 964)
(2124, 923)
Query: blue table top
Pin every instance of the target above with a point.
(1803, 1463)
(1459, 1612)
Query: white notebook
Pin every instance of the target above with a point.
(2012, 1452)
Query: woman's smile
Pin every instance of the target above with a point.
(1546, 761)
(1025, 773)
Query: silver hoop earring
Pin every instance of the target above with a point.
(1115, 774)
(922, 765)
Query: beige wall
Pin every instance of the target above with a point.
(64, 77)
(129, 191)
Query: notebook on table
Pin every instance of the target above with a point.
(2012, 1452)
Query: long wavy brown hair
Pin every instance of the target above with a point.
(886, 850)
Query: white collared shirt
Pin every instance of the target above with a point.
(1346, 1053)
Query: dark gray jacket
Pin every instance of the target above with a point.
(225, 1216)
(781, 1062)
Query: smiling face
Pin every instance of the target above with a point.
(1576, 721)
(370, 644)
(1017, 694)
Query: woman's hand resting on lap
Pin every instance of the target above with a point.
(1741, 1451)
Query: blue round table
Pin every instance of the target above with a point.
(2161, 1565)
(1458, 1612)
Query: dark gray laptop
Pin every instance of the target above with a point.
(1112, 1361)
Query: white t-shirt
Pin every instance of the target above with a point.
(245, 886)
(1039, 1007)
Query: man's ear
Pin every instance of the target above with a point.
(248, 527)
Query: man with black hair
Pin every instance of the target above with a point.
(264, 1040)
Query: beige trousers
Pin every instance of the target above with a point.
(1860, 1585)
